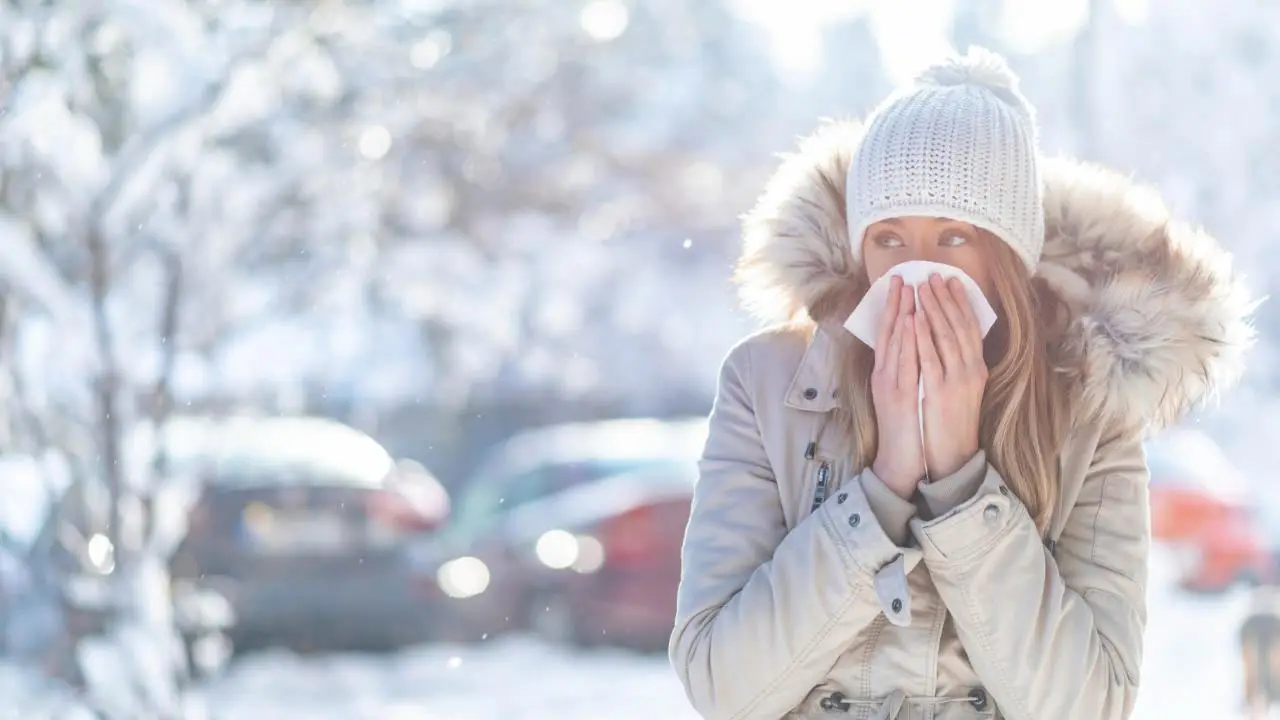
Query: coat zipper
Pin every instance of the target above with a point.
(820, 491)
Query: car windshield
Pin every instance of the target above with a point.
(1193, 459)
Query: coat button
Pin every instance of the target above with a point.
(854, 520)
(896, 605)
(978, 699)
(991, 513)
(841, 498)
(810, 393)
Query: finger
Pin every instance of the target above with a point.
(908, 360)
(944, 336)
(892, 352)
(907, 301)
(969, 330)
(930, 363)
(887, 320)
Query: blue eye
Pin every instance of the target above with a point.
(954, 239)
(889, 240)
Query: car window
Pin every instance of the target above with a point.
(486, 500)
(486, 503)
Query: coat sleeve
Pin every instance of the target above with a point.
(762, 614)
(1051, 638)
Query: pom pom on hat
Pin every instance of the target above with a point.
(979, 68)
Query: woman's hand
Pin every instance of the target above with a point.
(954, 372)
(895, 382)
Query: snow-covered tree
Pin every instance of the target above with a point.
(170, 173)
(568, 173)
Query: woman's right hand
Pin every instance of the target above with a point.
(895, 383)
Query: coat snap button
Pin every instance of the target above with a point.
(991, 513)
(841, 498)
(810, 393)
(854, 520)
(896, 605)
(978, 699)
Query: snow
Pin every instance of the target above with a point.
(1191, 671)
(509, 679)
(30, 696)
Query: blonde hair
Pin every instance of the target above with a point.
(1025, 408)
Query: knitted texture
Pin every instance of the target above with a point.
(959, 142)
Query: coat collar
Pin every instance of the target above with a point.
(1160, 322)
(813, 388)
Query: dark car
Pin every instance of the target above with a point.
(299, 524)
(578, 539)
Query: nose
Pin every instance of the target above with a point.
(923, 251)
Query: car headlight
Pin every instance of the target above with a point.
(557, 549)
(560, 550)
(463, 577)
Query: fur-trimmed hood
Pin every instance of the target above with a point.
(1159, 324)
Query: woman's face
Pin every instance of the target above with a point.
(940, 240)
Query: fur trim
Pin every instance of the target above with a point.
(1160, 323)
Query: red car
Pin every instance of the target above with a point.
(597, 564)
(595, 560)
(1202, 507)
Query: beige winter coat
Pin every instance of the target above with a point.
(867, 607)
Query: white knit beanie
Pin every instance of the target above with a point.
(959, 143)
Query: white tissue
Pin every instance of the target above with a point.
(864, 321)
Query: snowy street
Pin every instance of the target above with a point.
(509, 679)
(1191, 671)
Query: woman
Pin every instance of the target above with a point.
(824, 571)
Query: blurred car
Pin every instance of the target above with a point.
(590, 565)
(298, 523)
(1203, 508)
(572, 531)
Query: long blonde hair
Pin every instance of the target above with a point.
(1025, 408)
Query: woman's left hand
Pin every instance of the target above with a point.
(954, 372)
